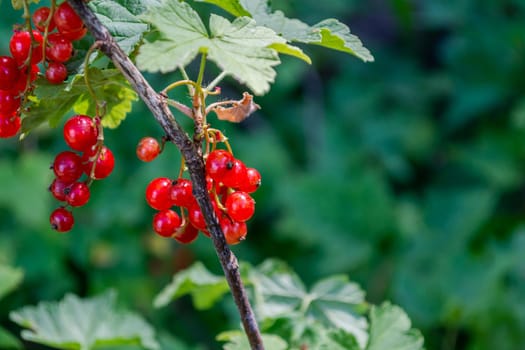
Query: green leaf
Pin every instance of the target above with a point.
(75, 323)
(239, 48)
(337, 339)
(232, 6)
(19, 4)
(204, 287)
(291, 50)
(8, 341)
(10, 278)
(334, 302)
(329, 33)
(52, 102)
(120, 18)
(390, 328)
(237, 341)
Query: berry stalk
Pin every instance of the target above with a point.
(159, 107)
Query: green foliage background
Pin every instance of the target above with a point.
(406, 174)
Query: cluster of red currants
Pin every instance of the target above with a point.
(19, 70)
(229, 183)
(81, 133)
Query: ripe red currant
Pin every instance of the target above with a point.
(22, 82)
(66, 19)
(59, 189)
(40, 17)
(80, 133)
(59, 49)
(253, 181)
(56, 72)
(20, 46)
(166, 222)
(158, 193)
(148, 149)
(76, 35)
(181, 193)
(61, 220)
(240, 206)
(217, 163)
(67, 166)
(104, 165)
(9, 102)
(8, 73)
(9, 125)
(235, 174)
(186, 234)
(78, 194)
(234, 231)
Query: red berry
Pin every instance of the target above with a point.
(80, 133)
(59, 49)
(76, 35)
(78, 194)
(8, 73)
(40, 17)
(166, 222)
(216, 164)
(186, 234)
(105, 162)
(9, 125)
(21, 43)
(181, 193)
(66, 19)
(158, 193)
(56, 73)
(253, 181)
(197, 218)
(234, 231)
(61, 220)
(67, 166)
(22, 82)
(240, 206)
(9, 102)
(148, 149)
(235, 175)
(59, 189)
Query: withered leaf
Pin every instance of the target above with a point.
(239, 110)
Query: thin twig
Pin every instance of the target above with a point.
(161, 112)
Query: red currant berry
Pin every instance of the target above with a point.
(209, 183)
(22, 82)
(67, 166)
(80, 133)
(166, 222)
(76, 35)
(158, 193)
(234, 231)
(56, 73)
(104, 165)
(148, 149)
(59, 189)
(78, 194)
(61, 220)
(40, 17)
(8, 73)
(59, 49)
(197, 218)
(20, 46)
(186, 234)
(181, 193)
(216, 164)
(66, 19)
(9, 102)
(253, 181)
(235, 175)
(9, 125)
(240, 206)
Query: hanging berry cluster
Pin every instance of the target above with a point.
(96, 161)
(28, 49)
(229, 184)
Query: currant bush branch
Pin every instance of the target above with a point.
(157, 103)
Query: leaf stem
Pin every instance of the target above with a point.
(202, 67)
(216, 81)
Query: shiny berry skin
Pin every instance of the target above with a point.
(103, 167)
(40, 17)
(22, 83)
(217, 163)
(181, 193)
(76, 35)
(67, 166)
(56, 73)
(9, 125)
(80, 132)
(166, 222)
(186, 234)
(158, 193)
(9, 102)
(66, 19)
(196, 217)
(59, 189)
(240, 206)
(9, 72)
(61, 220)
(20, 45)
(148, 149)
(58, 49)
(234, 231)
(78, 194)
(253, 181)
(235, 174)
